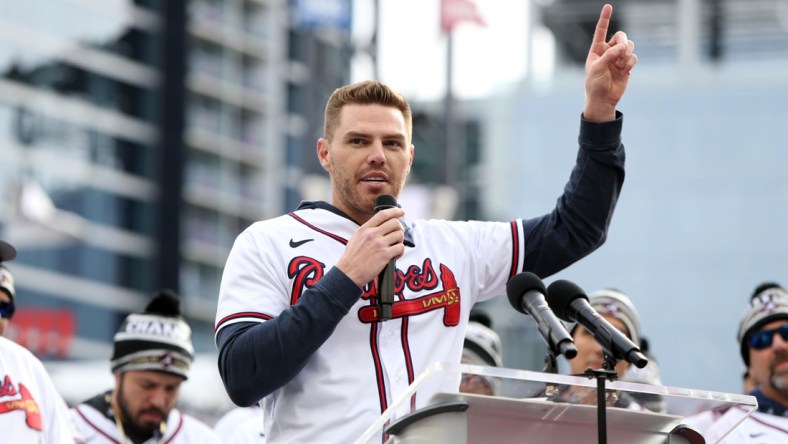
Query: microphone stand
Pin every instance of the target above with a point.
(607, 372)
(550, 366)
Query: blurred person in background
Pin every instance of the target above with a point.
(31, 409)
(482, 346)
(151, 357)
(763, 343)
(617, 308)
(646, 375)
(748, 383)
(298, 324)
(7, 290)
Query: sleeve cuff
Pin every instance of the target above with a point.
(601, 133)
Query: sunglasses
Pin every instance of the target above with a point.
(762, 339)
(6, 310)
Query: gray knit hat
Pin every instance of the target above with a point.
(769, 305)
(158, 339)
(614, 303)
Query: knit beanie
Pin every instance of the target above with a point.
(616, 304)
(158, 339)
(769, 305)
(7, 282)
(482, 345)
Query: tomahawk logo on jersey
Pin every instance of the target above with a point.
(306, 271)
(31, 410)
(13, 399)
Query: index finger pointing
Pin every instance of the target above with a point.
(600, 33)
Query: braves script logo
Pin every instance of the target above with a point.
(25, 403)
(308, 271)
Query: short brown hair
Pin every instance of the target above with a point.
(368, 92)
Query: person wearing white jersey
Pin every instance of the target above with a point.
(763, 342)
(298, 320)
(152, 353)
(7, 291)
(31, 409)
(483, 347)
(241, 425)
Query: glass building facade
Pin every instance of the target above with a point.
(137, 139)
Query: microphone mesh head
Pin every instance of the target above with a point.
(560, 295)
(385, 201)
(521, 283)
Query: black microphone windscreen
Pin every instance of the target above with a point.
(385, 201)
(560, 295)
(520, 284)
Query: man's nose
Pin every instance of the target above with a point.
(158, 399)
(377, 154)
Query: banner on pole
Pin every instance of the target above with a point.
(456, 11)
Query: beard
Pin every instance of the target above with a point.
(779, 382)
(133, 427)
(346, 190)
(778, 379)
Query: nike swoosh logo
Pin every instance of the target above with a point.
(294, 244)
(755, 435)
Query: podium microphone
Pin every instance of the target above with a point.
(386, 276)
(526, 293)
(571, 304)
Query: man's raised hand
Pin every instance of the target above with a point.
(608, 67)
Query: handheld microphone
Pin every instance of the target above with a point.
(570, 303)
(386, 276)
(384, 202)
(526, 293)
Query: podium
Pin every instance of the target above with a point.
(529, 406)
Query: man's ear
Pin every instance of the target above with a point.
(412, 156)
(323, 153)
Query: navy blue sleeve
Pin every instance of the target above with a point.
(578, 224)
(257, 358)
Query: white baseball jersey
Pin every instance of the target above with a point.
(95, 427)
(251, 431)
(758, 428)
(31, 410)
(365, 364)
(241, 425)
